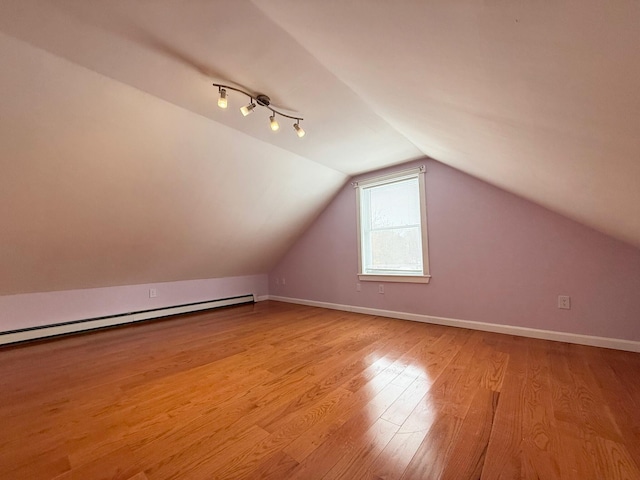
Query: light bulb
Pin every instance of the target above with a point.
(298, 129)
(222, 101)
(274, 123)
(247, 109)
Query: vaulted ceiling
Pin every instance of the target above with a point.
(118, 168)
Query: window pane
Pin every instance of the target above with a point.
(396, 249)
(391, 232)
(395, 204)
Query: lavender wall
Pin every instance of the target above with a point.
(37, 309)
(495, 258)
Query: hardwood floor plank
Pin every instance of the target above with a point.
(347, 436)
(504, 452)
(394, 458)
(139, 476)
(469, 451)
(199, 456)
(402, 407)
(591, 429)
(360, 400)
(622, 403)
(540, 445)
(596, 413)
(243, 463)
(31, 465)
(279, 391)
(616, 463)
(120, 464)
(344, 367)
(432, 455)
(275, 467)
(357, 462)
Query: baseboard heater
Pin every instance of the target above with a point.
(44, 331)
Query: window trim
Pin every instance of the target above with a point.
(419, 173)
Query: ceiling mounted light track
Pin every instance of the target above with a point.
(263, 101)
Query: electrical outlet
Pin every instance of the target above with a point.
(153, 293)
(380, 288)
(564, 302)
(277, 280)
(358, 287)
(284, 281)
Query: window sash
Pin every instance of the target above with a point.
(368, 271)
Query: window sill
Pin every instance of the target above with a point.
(394, 278)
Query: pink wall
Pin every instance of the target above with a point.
(495, 258)
(36, 309)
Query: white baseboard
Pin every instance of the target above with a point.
(262, 298)
(91, 324)
(614, 343)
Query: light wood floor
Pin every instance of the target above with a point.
(289, 392)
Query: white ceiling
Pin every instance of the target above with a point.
(174, 50)
(537, 98)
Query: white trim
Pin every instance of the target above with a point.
(382, 179)
(424, 231)
(360, 187)
(21, 336)
(262, 298)
(593, 341)
(369, 277)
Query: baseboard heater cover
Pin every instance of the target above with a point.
(34, 333)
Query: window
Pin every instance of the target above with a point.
(392, 228)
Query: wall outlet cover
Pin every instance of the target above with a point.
(564, 302)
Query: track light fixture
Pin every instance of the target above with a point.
(222, 100)
(247, 109)
(274, 123)
(298, 129)
(263, 101)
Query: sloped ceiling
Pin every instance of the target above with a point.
(118, 168)
(539, 98)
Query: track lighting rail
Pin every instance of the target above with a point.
(263, 101)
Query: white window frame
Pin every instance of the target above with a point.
(359, 186)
